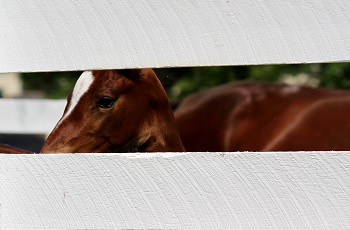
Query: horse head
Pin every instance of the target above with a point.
(116, 111)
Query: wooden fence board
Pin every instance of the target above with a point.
(78, 35)
(298, 190)
(30, 116)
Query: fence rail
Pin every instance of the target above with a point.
(30, 116)
(194, 190)
(299, 190)
(79, 35)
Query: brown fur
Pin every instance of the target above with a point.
(141, 119)
(7, 149)
(256, 116)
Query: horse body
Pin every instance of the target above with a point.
(8, 149)
(256, 116)
(116, 111)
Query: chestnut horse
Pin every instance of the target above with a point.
(116, 111)
(257, 116)
(8, 149)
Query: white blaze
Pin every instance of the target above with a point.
(81, 87)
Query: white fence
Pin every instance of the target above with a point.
(194, 190)
(30, 116)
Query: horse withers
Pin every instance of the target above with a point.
(116, 111)
(258, 116)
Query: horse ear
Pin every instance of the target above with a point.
(130, 73)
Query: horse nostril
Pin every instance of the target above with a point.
(105, 102)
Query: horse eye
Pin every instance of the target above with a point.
(105, 102)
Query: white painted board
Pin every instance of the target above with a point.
(30, 116)
(287, 190)
(40, 35)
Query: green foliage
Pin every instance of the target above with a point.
(180, 82)
(273, 72)
(331, 75)
(336, 75)
(205, 77)
(55, 85)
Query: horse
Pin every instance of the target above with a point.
(260, 116)
(8, 149)
(112, 111)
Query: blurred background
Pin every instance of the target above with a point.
(178, 83)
